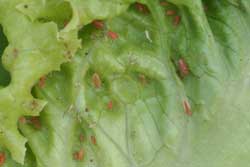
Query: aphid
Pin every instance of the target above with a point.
(65, 23)
(98, 24)
(22, 120)
(141, 8)
(177, 20)
(33, 105)
(42, 81)
(187, 107)
(15, 52)
(79, 155)
(2, 158)
(81, 138)
(96, 80)
(35, 122)
(110, 105)
(183, 67)
(205, 7)
(93, 140)
(112, 35)
(164, 3)
(170, 12)
(142, 79)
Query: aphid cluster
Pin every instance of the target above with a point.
(79, 154)
(173, 13)
(99, 24)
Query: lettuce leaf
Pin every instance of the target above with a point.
(34, 49)
(123, 99)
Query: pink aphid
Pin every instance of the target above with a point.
(2, 158)
(110, 105)
(42, 81)
(142, 79)
(183, 67)
(170, 12)
(164, 3)
(35, 121)
(81, 137)
(177, 20)
(79, 155)
(96, 80)
(22, 120)
(93, 140)
(187, 108)
(112, 35)
(65, 23)
(141, 8)
(98, 24)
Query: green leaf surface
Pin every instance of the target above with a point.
(34, 50)
(123, 97)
